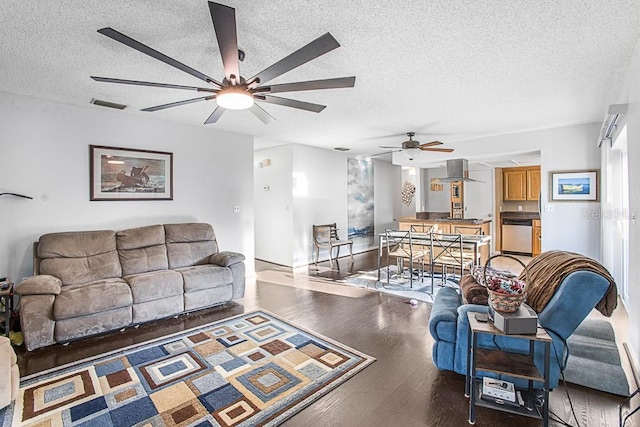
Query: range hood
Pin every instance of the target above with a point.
(458, 170)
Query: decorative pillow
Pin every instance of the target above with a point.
(473, 292)
(478, 273)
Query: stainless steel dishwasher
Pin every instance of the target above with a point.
(516, 236)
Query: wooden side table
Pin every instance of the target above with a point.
(6, 298)
(515, 365)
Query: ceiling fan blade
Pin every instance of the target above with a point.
(224, 24)
(386, 152)
(316, 48)
(215, 115)
(177, 104)
(316, 108)
(261, 114)
(117, 36)
(337, 83)
(442, 150)
(164, 85)
(430, 144)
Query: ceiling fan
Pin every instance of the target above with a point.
(235, 92)
(412, 147)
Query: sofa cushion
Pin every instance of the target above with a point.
(91, 298)
(473, 292)
(189, 244)
(207, 297)
(96, 323)
(155, 285)
(142, 249)
(79, 256)
(205, 277)
(157, 309)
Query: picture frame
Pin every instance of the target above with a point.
(575, 186)
(129, 174)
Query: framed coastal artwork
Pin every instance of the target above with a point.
(129, 174)
(575, 186)
(360, 203)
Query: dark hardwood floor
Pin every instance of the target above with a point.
(402, 388)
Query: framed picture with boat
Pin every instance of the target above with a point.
(575, 186)
(129, 174)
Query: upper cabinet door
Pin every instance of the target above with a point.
(514, 184)
(533, 183)
(521, 183)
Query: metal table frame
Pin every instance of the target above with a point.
(470, 241)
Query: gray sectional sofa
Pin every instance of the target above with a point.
(89, 282)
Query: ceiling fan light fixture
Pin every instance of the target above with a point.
(411, 153)
(234, 98)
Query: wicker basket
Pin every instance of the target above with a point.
(506, 303)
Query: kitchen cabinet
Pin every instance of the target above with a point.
(522, 183)
(536, 238)
(533, 183)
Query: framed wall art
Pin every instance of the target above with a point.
(575, 186)
(129, 174)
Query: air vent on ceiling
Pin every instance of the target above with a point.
(342, 149)
(107, 104)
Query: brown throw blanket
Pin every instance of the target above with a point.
(546, 271)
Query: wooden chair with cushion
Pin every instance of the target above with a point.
(8, 372)
(326, 236)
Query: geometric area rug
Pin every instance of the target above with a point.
(248, 370)
(400, 285)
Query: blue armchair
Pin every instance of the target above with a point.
(574, 298)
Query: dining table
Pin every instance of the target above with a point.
(469, 241)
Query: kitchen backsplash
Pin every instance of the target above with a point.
(527, 206)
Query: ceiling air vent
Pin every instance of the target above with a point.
(107, 104)
(342, 149)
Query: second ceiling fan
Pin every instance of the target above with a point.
(236, 92)
(412, 147)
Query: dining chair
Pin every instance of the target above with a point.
(447, 250)
(469, 253)
(326, 236)
(400, 245)
(467, 229)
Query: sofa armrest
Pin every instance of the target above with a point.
(226, 258)
(42, 284)
(444, 315)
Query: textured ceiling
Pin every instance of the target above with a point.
(447, 69)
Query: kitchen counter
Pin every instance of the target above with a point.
(519, 215)
(437, 221)
(473, 221)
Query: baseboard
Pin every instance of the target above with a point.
(632, 363)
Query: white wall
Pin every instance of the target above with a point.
(436, 201)
(45, 154)
(631, 94)
(565, 148)
(274, 205)
(312, 189)
(319, 197)
(387, 180)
